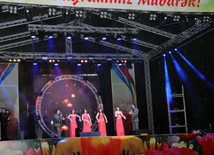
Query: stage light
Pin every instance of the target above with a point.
(164, 55)
(52, 11)
(18, 60)
(33, 34)
(103, 14)
(82, 61)
(104, 38)
(86, 38)
(153, 17)
(120, 63)
(170, 52)
(119, 37)
(131, 16)
(14, 60)
(28, 13)
(69, 57)
(86, 61)
(78, 64)
(167, 82)
(13, 9)
(10, 60)
(73, 95)
(50, 60)
(50, 35)
(125, 61)
(56, 64)
(176, 18)
(79, 13)
(44, 57)
(98, 64)
(206, 19)
(176, 49)
(35, 64)
(69, 36)
(134, 39)
(66, 15)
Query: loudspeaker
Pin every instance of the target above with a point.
(90, 134)
(144, 132)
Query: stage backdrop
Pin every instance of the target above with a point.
(9, 96)
(123, 91)
(64, 93)
(150, 5)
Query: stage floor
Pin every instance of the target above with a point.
(181, 144)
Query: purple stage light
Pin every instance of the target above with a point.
(119, 39)
(78, 64)
(99, 64)
(120, 64)
(56, 64)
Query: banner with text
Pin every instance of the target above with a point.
(150, 5)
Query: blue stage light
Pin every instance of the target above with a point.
(164, 55)
(167, 83)
(170, 52)
(99, 64)
(134, 39)
(68, 37)
(56, 64)
(33, 37)
(104, 38)
(79, 64)
(35, 64)
(119, 39)
(176, 49)
(50, 37)
(86, 38)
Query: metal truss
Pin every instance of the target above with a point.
(5, 55)
(196, 28)
(141, 26)
(83, 28)
(24, 21)
(15, 36)
(149, 95)
(23, 43)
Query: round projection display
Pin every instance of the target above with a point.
(65, 92)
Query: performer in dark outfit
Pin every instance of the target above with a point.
(58, 122)
(135, 120)
(4, 118)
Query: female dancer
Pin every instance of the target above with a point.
(73, 122)
(102, 120)
(119, 122)
(86, 121)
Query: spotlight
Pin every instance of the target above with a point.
(98, 64)
(82, 61)
(44, 57)
(86, 38)
(78, 64)
(206, 19)
(18, 60)
(35, 64)
(56, 64)
(13, 9)
(79, 13)
(50, 60)
(164, 55)
(131, 16)
(176, 49)
(69, 36)
(153, 17)
(28, 14)
(66, 15)
(170, 52)
(50, 35)
(10, 60)
(104, 38)
(86, 61)
(119, 37)
(120, 63)
(52, 11)
(33, 34)
(176, 18)
(103, 14)
(14, 60)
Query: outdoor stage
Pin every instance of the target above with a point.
(185, 144)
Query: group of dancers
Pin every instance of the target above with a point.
(101, 119)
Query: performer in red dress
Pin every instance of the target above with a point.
(119, 122)
(102, 120)
(73, 122)
(86, 121)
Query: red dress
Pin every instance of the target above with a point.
(102, 125)
(73, 125)
(86, 125)
(119, 125)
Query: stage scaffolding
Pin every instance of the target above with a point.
(131, 54)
